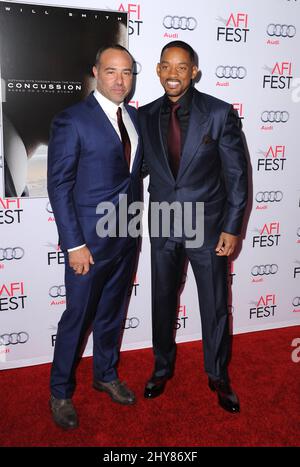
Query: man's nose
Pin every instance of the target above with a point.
(119, 78)
(173, 71)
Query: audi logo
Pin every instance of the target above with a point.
(275, 116)
(11, 253)
(264, 269)
(269, 196)
(234, 72)
(180, 22)
(281, 30)
(14, 338)
(137, 68)
(296, 301)
(57, 291)
(131, 323)
(49, 207)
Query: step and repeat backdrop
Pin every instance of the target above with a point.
(247, 56)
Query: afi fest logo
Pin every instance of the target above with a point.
(181, 317)
(239, 107)
(297, 270)
(235, 28)
(134, 14)
(133, 288)
(279, 77)
(264, 308)
(10, 211)
(268, 236)
(55, 257)
(230, 273)
(273, 159)
(12, 296)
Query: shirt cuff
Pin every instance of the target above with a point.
(76, 248)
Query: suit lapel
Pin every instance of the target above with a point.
(196, 130)
(157, 140)
(102, 121)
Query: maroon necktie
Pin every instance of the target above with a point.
(174, 139)
(124, 136)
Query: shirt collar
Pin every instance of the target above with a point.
(185, 101)
(109, 107)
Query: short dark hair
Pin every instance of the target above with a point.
(180, 45)
(111, 46)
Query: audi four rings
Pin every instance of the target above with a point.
(281, 30)
(11, 253)
(272, 116)
(14, 338)
(296, 301)
(57, 291)
(234, 72)
(49, 207)
(264, 269)
(180, 22)
(268, 196)
(131, 323)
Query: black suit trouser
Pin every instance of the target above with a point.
(210, 273)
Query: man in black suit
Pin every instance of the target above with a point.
(194, 154)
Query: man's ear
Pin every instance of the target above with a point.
(195, 71)
(158, 69)
(95, 72)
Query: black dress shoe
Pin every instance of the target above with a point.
(63, 413)
(117, 390)
(155, 387)
(228, 399)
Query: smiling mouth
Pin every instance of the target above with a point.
(172, 84)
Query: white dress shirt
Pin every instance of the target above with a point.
(110, 110)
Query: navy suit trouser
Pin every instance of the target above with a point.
(210, 273)
(98, 299)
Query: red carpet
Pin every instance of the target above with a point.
(187, 414)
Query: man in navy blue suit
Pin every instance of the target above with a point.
(94, 157)
(194, 154)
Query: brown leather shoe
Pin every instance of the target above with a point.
(63, 413)
(117, 390)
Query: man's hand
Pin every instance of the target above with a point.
(226, 244)
(80, 260)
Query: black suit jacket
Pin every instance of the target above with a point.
(213, 166)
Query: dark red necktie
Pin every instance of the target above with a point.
(124, 136)
(174, 139)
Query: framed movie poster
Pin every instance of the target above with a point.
(46, 59)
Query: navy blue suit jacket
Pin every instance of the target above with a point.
(86, 166)
(213, 167)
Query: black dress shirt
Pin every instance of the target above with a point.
(183, 115)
